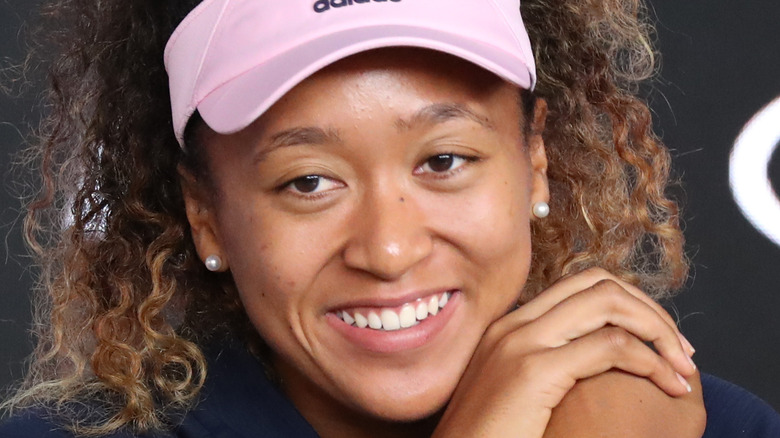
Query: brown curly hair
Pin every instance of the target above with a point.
(124, 304)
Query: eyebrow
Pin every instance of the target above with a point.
(298, 136)
(444, 112)
(432, 114)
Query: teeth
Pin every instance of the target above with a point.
(408, 316)
(443, 301)
(389, 320)
(360, 320)
(433, 305)
(374, 321)
(422, 311)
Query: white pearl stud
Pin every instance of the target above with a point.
(541, 210)
(213, 263)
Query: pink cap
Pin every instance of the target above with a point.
(232, 59)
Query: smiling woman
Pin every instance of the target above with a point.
(391, 219)
(315, 229)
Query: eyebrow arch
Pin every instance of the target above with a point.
(441, 113)
(298, 136)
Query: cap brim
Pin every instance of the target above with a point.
(231, 106)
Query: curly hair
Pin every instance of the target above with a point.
(124, 305)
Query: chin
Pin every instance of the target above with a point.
(406, 409)
(421, 395)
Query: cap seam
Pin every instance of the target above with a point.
(196, 98)
(183, 26)
(515, 37)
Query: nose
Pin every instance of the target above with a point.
(388, 235)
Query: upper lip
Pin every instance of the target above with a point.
(394, 301)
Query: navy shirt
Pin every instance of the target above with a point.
(239, 402)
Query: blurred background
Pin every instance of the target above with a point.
(719, 82)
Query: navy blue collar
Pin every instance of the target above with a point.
(239, 401)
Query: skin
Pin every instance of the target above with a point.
(617, 404)
(386, 223)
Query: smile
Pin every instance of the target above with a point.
(395, 318)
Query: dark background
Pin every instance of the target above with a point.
(720, 66)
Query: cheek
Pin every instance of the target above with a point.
(498, 210)
(502, 233)
(492, 228)
(275, 259)
(259, 261)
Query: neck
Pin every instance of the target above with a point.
(356, 426)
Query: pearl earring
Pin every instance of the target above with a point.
(213, 263)
(541, 210)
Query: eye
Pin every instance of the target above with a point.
(444, 163)
(311, 184)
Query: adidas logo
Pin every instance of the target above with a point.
(324, 5)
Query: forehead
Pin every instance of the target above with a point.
(399, 83)
(426, 67)
(395, 76)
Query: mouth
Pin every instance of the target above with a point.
(405, 316)
(399, 326)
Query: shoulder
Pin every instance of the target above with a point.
(238, 400)
(734, 412)
(618, 404)
(36, 423)
(31, 423)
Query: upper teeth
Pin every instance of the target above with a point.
(408, 315)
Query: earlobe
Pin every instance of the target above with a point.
(540, 192)
(203, 223)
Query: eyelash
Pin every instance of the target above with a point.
(466, 160)
(289, 186)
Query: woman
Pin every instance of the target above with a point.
(413, 228)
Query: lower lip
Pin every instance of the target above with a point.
(381, 341)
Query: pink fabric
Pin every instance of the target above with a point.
(232, 59)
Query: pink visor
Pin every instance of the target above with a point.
(232, 59)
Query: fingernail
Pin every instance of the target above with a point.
(687, 345)
(693, 365)
(684, 383)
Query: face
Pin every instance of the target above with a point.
(375, 222)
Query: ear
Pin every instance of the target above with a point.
(540, 190)
(200, 214)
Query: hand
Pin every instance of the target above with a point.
(582, 326)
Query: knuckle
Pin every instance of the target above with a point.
(608, 287)
(616, 338)
(611, 295)
(595, 273)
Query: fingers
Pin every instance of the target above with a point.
(596, 353)
(575, 284)
(606, 304)
(582, 326)
(585, 302)
(570, 285)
